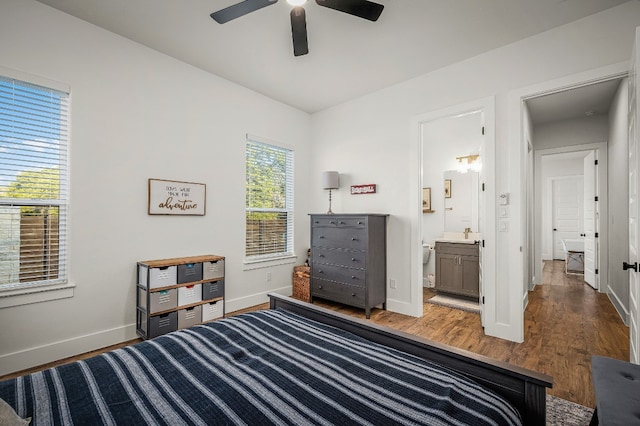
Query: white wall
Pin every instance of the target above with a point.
(571, 132)
(138, 114)
(443, 141)
(618, 150)
(369, 139)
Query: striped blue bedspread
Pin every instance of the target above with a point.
(260, 368)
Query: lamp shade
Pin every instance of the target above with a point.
(330, 180)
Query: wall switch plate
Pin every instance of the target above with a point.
(392, 283)
(504, 212)
(503, 226)
(504, 198)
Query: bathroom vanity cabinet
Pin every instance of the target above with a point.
(458, 268)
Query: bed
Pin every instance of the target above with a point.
(295, 364)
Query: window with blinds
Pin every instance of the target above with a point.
(33, 184)
(269, 200)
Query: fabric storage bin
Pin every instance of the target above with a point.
(159, 300)
(213, 269)
(157, 277)
(189, 272)
(212, 290)
(161, 324)
(189, 317)
(212, 310)
(189, 294)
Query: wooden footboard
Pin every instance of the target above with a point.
(525, 389)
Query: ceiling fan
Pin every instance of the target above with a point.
(361, 8)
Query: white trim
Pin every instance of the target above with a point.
(517, 157)
(624, 313)
(28, 295)
(249, 265)
(488, 215)
(39, 355)
(254, 299)
(35, 79)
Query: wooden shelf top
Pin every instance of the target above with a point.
(160, 263)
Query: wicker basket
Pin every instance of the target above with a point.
(301, 282)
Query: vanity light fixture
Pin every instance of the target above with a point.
(469, 162)
(330, 180)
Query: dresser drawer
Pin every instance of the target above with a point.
(351, 259)
(349, 276)
(347, 238)
(339, 221)
(338, 292)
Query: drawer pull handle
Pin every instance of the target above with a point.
(320, 271)
(332, 222)
(353, 238)
(341, 222)
(317, 221)
(359, 223)
(322, 237)
(353, 277)
(320, 287)
(322, 255)
(353, 259)
(353, 295)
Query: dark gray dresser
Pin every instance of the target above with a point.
(349, 259)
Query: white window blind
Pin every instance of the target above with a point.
(33, 184)
(269, 200)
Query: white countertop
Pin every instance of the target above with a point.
(458, 237)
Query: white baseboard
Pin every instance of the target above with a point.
(617, 304)
(32, 357)
(39, 355)
(401, 307)
(254, 299)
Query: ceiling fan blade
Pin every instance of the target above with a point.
(361, 8)
(299, 31)
(240, 9)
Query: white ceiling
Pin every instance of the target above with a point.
(591, 100)
(348, 56)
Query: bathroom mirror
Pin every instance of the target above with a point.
(461, 201)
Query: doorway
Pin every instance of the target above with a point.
(436, 156)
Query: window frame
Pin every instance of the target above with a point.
(288, 256)
(15, 294)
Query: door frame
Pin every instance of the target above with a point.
(602, 221)
(487, 214)
(518, 156)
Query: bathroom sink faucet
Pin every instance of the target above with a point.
(466, 233)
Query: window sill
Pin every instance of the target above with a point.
(26, 296)
(249, 265)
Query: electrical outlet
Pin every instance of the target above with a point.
(392, 283)
(268, 277)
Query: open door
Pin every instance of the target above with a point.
(590, 213)
(634, 232)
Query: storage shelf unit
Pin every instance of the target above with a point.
(178, 293)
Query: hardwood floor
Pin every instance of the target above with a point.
(566, 322)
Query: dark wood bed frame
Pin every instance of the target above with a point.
(525, 389)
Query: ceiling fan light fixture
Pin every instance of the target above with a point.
(296, 2)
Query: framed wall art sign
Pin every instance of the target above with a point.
(369, 188)
(447, 188)
(426, 200)
(170, 197)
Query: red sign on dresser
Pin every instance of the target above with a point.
(369, 188)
